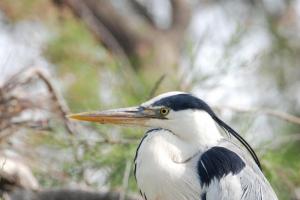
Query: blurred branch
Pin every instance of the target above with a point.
(57, 99)
(282, 140)
(14, 100)
(38, 125)
(156, 86)
(185, 83)
(266, 111)
(14, 81)
(134, 42)
(181, 15)
(143, 12)
(106, 23)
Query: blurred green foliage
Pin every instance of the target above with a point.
(75, 52)
(282, 169)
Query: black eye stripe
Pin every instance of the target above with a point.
(183, 102)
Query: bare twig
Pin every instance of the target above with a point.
(11, 106)
(57, 99)
(156, 85)
(38, 125)
(280, 141)
(89, 12)
(266, 111)
(127, 39)
(144, 12)
(180, 17)
(279, 114)
(13, 81)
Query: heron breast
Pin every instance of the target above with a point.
(158, 176)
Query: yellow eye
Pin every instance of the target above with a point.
(164, 111)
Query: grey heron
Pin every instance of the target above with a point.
(184, 155)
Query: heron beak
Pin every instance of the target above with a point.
(121, 116)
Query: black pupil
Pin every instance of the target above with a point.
(164, 111)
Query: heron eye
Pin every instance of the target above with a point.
(164, 111)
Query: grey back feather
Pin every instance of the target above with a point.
(253, 182)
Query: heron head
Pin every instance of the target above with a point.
(183, 114)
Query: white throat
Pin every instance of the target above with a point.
(167, 157)
(193, 127)
(163, 164)
(200, 129)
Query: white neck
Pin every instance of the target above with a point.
(195, 128)
(203, 129)
(192, 127)
(166, 155)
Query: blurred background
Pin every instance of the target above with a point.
(63, 56)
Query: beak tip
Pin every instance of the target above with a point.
(83, 117)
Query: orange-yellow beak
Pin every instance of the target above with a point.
(122, 116)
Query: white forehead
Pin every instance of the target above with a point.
(161, 96)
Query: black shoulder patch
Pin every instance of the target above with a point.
(203, 196)
(217, 162)
(183, 102)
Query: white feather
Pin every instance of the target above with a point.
(228, 188)
(158, 173)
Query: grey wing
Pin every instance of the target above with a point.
(255, 186)
(243, 186)
(239, 179)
